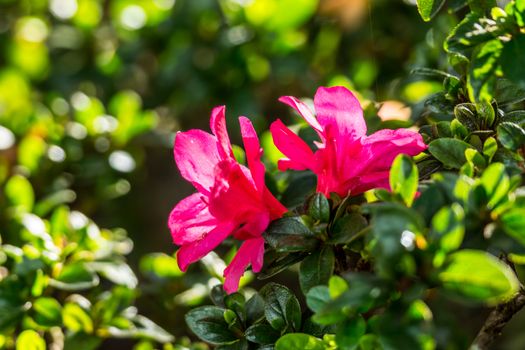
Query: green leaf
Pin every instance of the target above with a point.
(290, 234)
(160, 265)
(345, 228)
(404, 178)
(365, 292)
(394, 229)
(448, 226)
(76, 319)
(478, 276)
(470, 32)
(496, 183)
(490, 147)
(429, 8)
(317, 268)
(513, 222)
(349, 332)
(299, 341)
(48, 312)
(282, 309)
(450, 152)
(481, 6)
(317, 298)
(254, 308)
(19, 192)
(481, 79)
(275, 15)
(279, 263)
(82, 341)
(517, 117)
(116, 272)
(75, 276)
(30, 340)
(514, 69)
(511, 135)
(508, 93)
(207, 322)
(465, 113)
(261, 334)
(486, 114)
(30, 151)
(10, 313)
(319, 208)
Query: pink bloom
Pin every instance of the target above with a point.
(231, 199)
(346, 161)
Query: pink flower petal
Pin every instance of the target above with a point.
(190, 220)
(303, 111)
(192, 252)
(196, 157)
(252, 226)
(253, 152)
(339, 107)
(218, 127)
(385, 145)
(233, 196)
(300, 156)
(250, 252)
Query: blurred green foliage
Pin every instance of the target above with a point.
(91, 92)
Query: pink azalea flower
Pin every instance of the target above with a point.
(346, 161)
(231, 200)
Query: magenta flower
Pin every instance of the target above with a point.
(346, 161)
(231, 199)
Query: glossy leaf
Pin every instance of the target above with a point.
(478, 276)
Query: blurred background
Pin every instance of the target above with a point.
(93, 91)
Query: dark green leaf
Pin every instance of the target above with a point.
(319, 208)
(513, 68)
(280, 263)
(10, 313)
(511, 135)
(317, 298)
(508, 93)
(450, 152)
(465, 113)
(349, 332)
(261, 334)
(481, 6)
(207, 322)
(290, 234)
(317, 268)
(345, 228)
(254, 308)
(282, 309)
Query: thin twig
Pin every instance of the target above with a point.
(497, 320)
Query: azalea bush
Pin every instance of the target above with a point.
(393, 224)
(381, 208)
